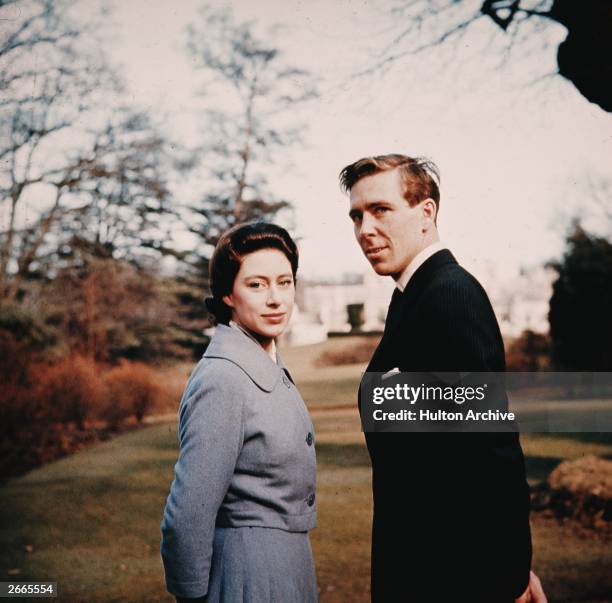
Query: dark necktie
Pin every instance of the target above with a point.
(393, 308)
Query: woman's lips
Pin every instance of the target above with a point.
(274, 318)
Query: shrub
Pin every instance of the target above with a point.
(15, 359)
(18, 407)
(71, 390)
(580, 489)
(132, 390)
(24, 327)
(528, 352)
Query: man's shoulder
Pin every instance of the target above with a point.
(454, 279)
(455, 293)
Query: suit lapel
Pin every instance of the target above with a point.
(401, 303)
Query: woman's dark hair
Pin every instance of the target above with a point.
(233, 245)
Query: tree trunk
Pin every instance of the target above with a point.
(28, 256)
(246, 151)
(5, 254)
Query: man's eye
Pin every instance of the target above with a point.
(356, 219)
(381, 210)
(286, 282)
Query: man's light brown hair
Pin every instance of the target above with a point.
(419, 175)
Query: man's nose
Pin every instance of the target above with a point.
(367, 227)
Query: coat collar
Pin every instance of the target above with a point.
(417, 262)
(417, 282)
(237, 347)
(427, 269)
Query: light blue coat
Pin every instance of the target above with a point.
(246, 457)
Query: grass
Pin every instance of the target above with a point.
(91, 521)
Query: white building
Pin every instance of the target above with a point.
(327, 301)
(520, 302)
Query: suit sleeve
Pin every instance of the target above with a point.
(465, 327)
(211, 432)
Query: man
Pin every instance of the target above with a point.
(451, 510)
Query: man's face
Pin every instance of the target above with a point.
(389, 231)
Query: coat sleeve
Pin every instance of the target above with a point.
(468, 337)
(211, 433)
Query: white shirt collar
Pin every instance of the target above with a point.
(416, 263)
(271, 353)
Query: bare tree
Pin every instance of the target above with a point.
(587, 205)
(251, 113)
(600, 191)
(63, 184)
(119, 200)
(252, 116)
(48, 82)
(584, 57)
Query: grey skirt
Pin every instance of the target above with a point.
(261, 565)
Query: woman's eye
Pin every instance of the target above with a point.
(286, 282)
(255, 285)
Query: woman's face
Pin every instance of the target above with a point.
(263, 293)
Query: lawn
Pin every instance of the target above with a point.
(91, 521)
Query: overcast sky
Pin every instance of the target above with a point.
(514, 154)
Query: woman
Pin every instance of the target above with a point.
(235, 526)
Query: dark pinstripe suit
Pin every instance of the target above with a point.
(451, 510)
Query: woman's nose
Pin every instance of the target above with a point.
(273, 297)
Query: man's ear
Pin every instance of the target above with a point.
(227, 300)
(429, 209)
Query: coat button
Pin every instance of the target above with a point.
(309, 439)
(311, 500)
(286, 381)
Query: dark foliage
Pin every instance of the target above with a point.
(580, 313)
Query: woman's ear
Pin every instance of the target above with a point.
(227, 300)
